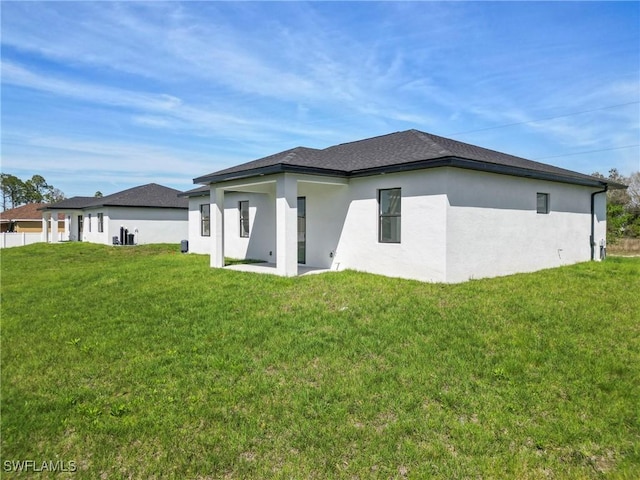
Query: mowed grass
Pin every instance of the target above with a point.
(145, 363)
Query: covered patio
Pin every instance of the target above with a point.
(284, 190)
(50, 227)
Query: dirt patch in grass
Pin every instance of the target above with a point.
(625, 246)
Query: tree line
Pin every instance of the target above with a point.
(623, 206)
(16, 192)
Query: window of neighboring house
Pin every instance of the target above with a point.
(542, 203)
(100, 223)
(205, 224)
(89, 222)
(389, 215)
(243, 206)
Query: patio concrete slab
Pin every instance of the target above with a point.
(270, 269)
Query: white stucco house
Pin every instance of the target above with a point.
(408, 204)
(149, 213)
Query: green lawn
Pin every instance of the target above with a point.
(145, 363)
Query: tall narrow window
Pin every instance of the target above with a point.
(243, 206)
(302, 230)
(89, 222)
(205, 224)
(100, 223)
(542, 203)
(389, 219)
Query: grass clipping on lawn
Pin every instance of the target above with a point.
(145, 363)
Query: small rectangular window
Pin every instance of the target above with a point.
(100, 223)
(89, 222)
(243, 206)
(389, 201)
(205, 224)
(542, 203)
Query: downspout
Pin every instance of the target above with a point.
(593, 213)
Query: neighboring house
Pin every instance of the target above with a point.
(26, 219)
(408, 204)
(149, 213)
(23, 225)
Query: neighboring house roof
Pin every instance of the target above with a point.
(29, 212)
(151, 195)
(72, 203)
(400, 151)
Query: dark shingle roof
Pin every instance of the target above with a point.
(196, 192)
(151, 195)
(72, 203)
(407, 150)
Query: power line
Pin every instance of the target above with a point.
(543, 119)
(590, 151)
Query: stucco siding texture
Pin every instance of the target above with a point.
(493, 227)
(456, 224)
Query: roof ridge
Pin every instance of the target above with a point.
(296, 152)
(467, 144)
(396, 151)
(428, 138)
(498, 152)
(366, 139)
(292, 154)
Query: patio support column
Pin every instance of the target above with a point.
(67, 227)
(287, 226)
(54, 227)
(45, 227)
(217, 227)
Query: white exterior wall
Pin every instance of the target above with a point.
(90, 226)
(493, 227)
(153, 225)
(262, 233)
(262, 221)
(326, 210)
(70, 227)
(327, 207)
(197, 243)
(421, 254)
(455, 224)
(149, 225)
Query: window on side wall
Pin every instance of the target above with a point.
(243, 206)
(542, 203)
(100, 223)
(205, 224)
(389, 202)
(89, 221)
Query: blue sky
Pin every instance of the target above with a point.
(106, 96)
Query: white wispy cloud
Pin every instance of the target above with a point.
(13, 74)
(217, 83)
(69, 160)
